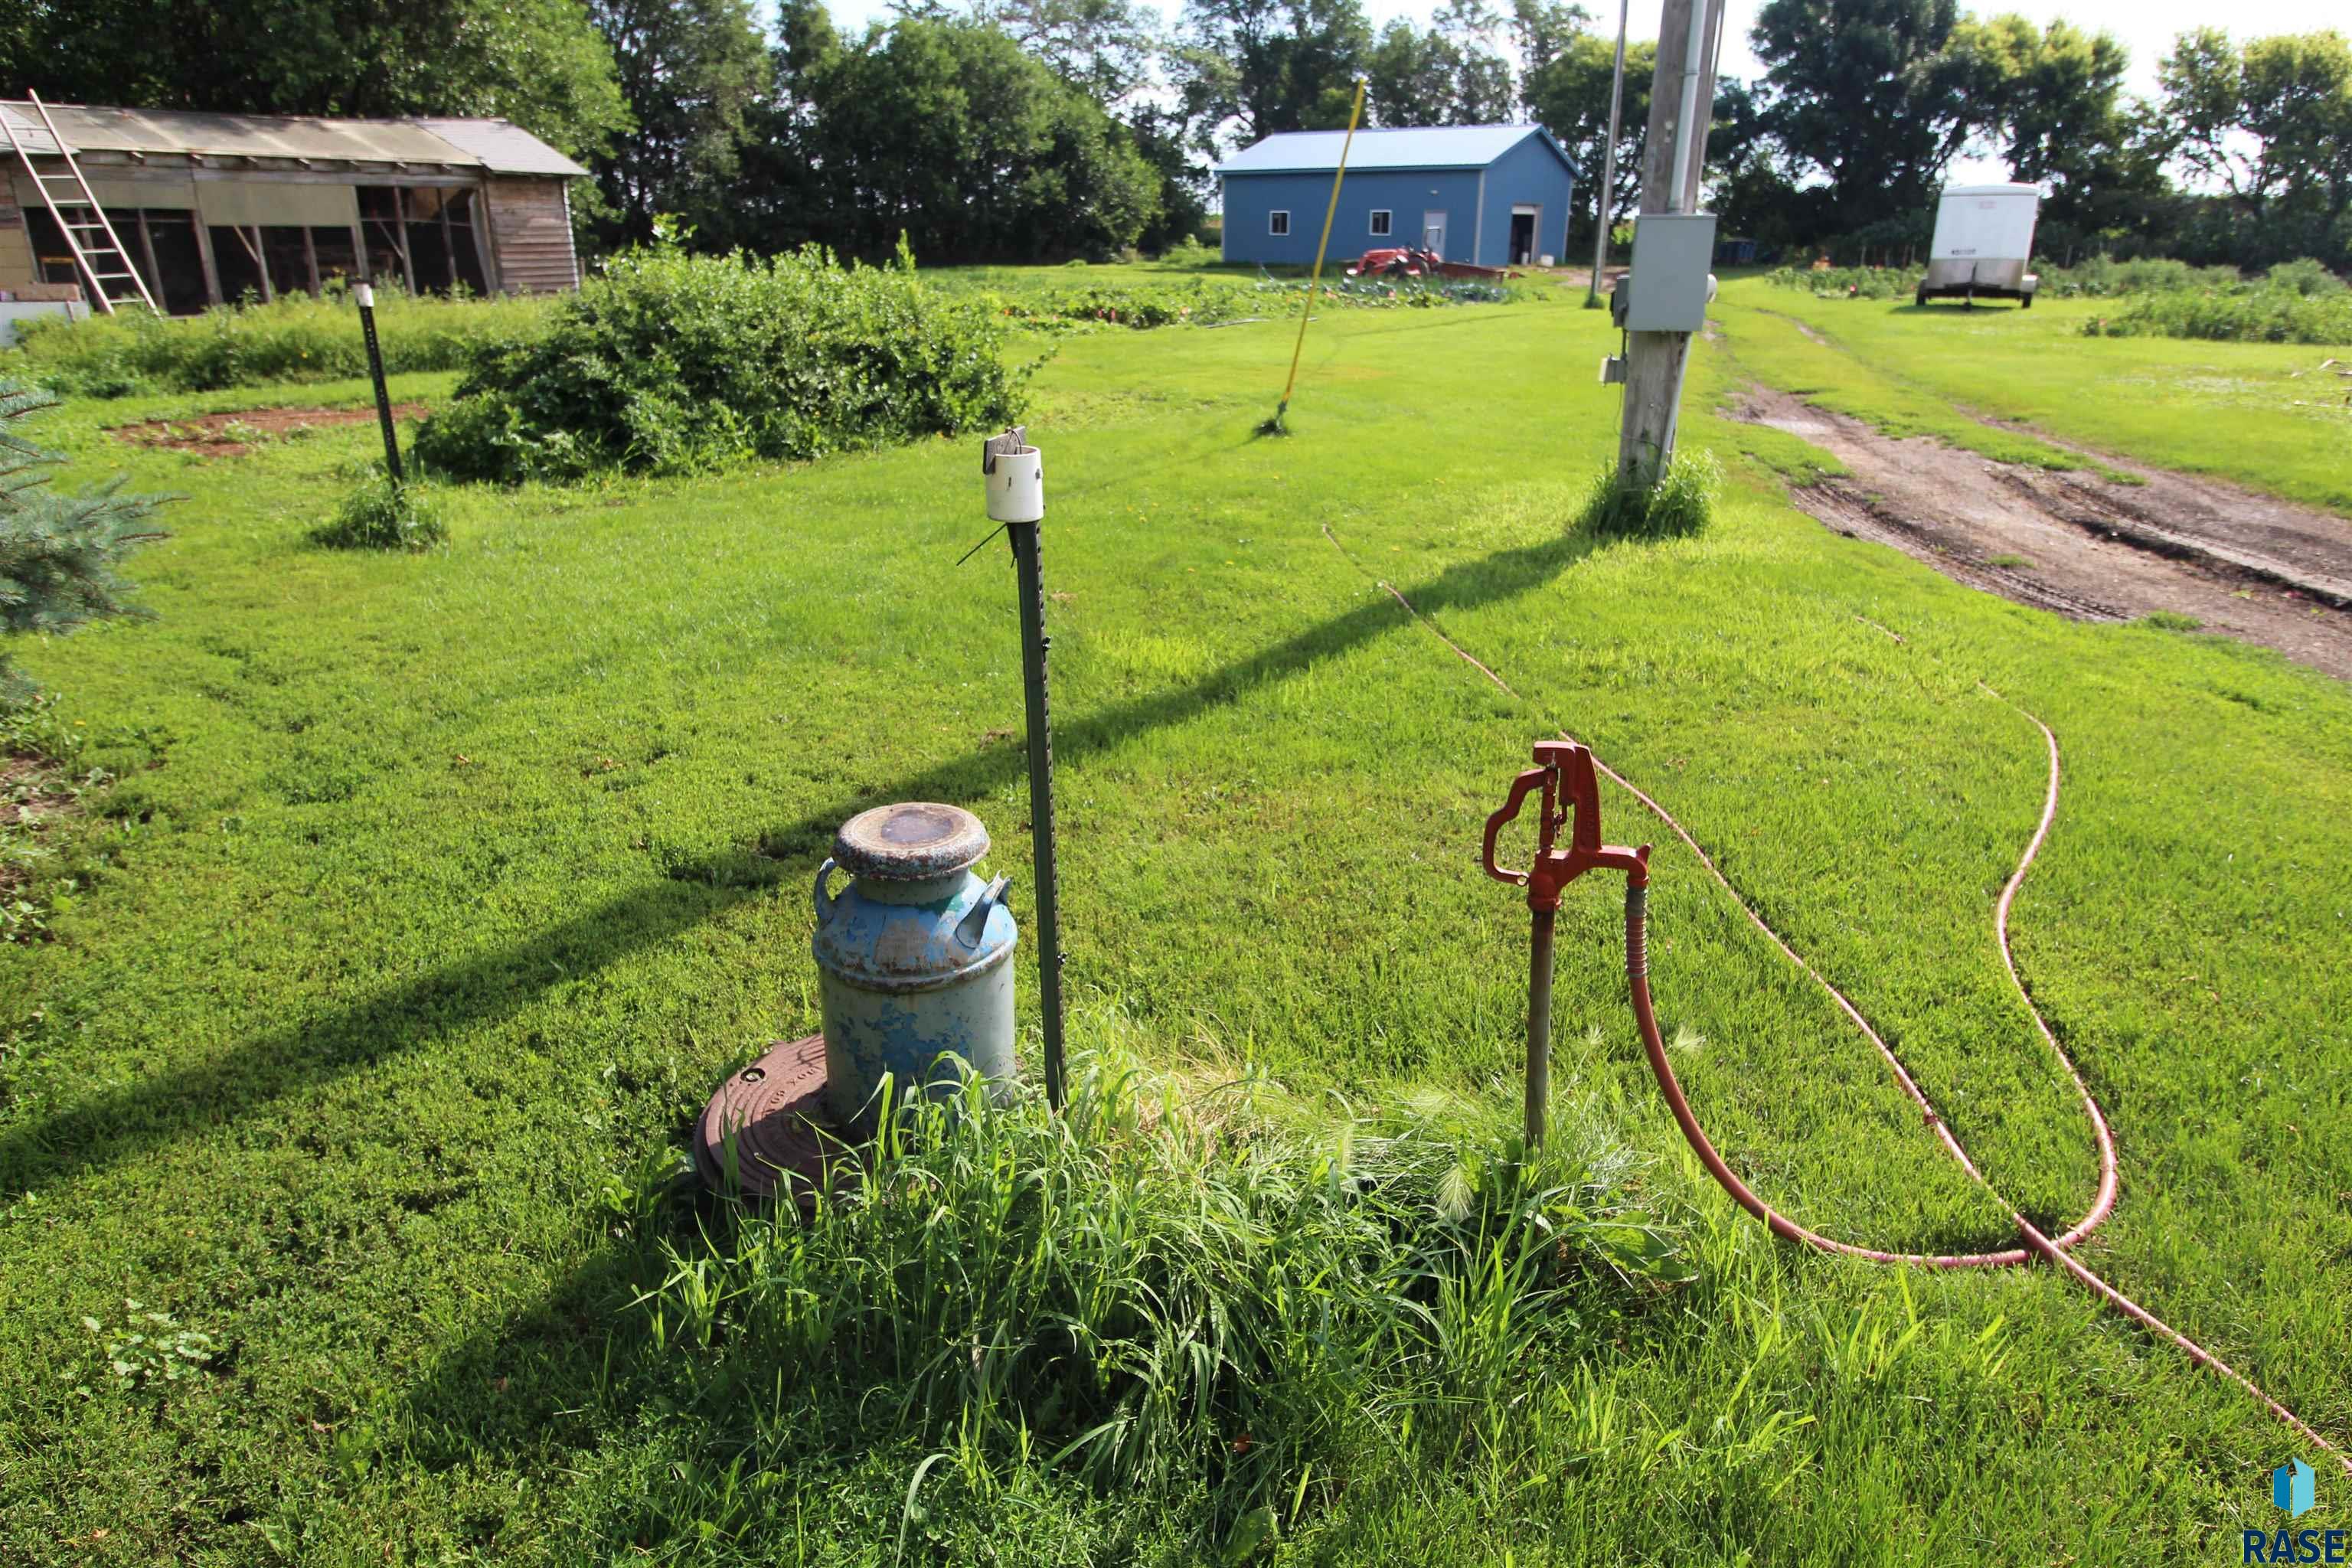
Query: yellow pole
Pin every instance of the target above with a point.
(1316, 281)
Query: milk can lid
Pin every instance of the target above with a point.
(912, 841)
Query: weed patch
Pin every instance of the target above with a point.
(1170, 1299)
(1676, 507)
(381, 515)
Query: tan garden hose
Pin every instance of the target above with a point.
(2037, 1244)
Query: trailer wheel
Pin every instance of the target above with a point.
(1920, 299)
(2029, 303)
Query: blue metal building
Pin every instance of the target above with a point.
(1494, 196)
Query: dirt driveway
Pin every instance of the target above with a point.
(2245, 566)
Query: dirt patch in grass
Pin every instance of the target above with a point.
(27, 799)
(232, 435)
(2243, 564)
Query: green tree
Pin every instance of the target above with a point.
(539, 63)
(691, 71)
(1109, 47)
(1159, 137)
(58, 551)
(2270, 123)
(1248, 68)
(2057, 114)
(1540, 31)
(1874, 97)
(949, 133)
(1568, 96)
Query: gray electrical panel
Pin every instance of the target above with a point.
(1672, 254)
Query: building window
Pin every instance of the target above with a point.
(1277, 221)
(1382, 220)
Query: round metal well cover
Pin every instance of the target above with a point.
(912, 841)
(775, 1111)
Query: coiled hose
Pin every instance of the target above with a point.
(2038, 1245)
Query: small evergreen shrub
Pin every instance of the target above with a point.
(381, 515)
(674, 363)
(58, 551)
(1680, 504)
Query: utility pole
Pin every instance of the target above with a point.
(1674, 157)
(1608, 201)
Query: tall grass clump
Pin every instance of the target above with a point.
(676, 363)
(1678, 505)
(1160, 1301)
(381, 515)
(296, 339)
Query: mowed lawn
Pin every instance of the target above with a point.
(2263, 415)
(433, 895)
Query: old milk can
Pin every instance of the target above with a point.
(914, 958)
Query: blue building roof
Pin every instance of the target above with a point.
(1410, 147)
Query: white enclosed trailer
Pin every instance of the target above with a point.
(1984, 238)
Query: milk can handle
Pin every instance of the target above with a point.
(974, 924)
(824, 900)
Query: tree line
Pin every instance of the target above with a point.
(1027, 130)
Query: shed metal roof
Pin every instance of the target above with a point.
(1410, 147)
(493, 144)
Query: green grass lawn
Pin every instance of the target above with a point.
(434, 895)
(2262, 414)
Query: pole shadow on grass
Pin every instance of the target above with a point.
(121, 1123)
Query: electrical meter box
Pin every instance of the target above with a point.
(1671, 284)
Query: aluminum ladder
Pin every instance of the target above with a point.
(97, 250)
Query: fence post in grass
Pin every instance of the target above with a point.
(365, 294)
(1016, 476)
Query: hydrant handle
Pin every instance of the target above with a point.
(1521, 787)
(823, 900)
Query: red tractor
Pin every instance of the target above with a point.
(1397, 261)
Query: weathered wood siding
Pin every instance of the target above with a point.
(15, 243)
(531, 231)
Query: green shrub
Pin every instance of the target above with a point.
(1189, 251)
(2101, 277)
(2247, 313)
(381, 515)
(2304, 276)
(1162, 1297)
(297, 339)
(678, 364)
(1679, 504)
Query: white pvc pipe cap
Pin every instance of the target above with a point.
(1016, 490)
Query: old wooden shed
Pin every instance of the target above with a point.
(211, 207)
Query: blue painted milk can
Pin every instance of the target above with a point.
(914, 958)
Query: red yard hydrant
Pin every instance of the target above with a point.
(1571, 795)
